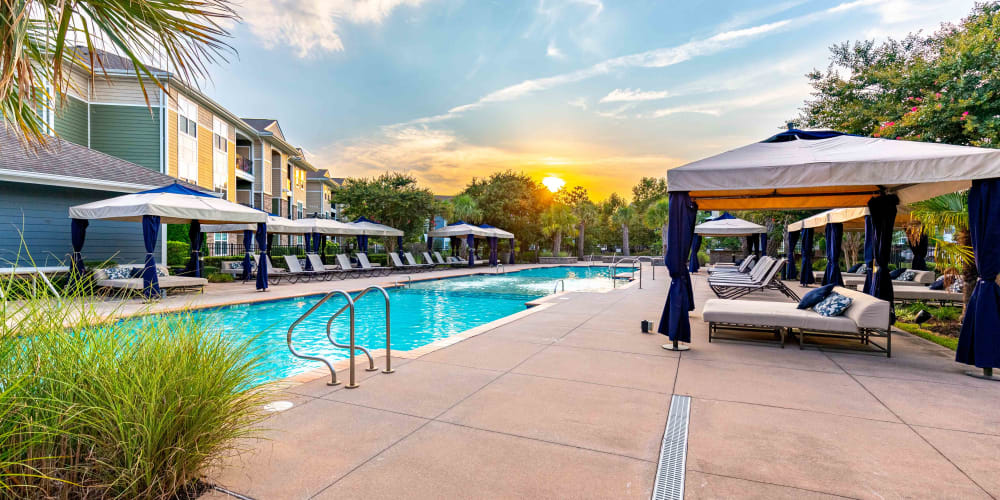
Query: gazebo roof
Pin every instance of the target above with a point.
(731, 226)
(275, 225)
(853, 218)
(329, 226)
(173, 203)
(460, 228)
(371, 228)
(497, 232)
(800, 169)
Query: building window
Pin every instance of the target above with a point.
(220, 153)
(187, 143)
(221, 243)
(299, 212)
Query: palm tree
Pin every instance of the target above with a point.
(556, 221)
(945, 213)
(465, 208)
(657, 216)
(41, 38)
(624, 216)
(585, 212)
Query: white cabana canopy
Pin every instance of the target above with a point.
(275, 225)
(852, 218)
(174, 204)
(369, 228)
(462, 229)
(729, 227)
(330, 227)
(496, 232)
(821, 169)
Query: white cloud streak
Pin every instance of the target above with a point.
(308, 26)
(629, 95)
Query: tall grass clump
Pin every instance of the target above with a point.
(91, 408)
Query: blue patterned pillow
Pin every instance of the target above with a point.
(833, 305)
(907, 276)
(119, 273)
(957, 286)
(896, 272)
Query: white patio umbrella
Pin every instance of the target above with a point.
(729, 227)
(173, 204)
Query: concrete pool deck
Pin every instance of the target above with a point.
(571, 402)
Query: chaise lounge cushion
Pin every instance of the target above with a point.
(865, 312)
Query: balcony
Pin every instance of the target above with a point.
(244, 167)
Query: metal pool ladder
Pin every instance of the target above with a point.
(556, 287)
(630, 260)
(350, 305)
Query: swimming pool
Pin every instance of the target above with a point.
(421, 313)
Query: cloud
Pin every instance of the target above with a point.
(627, 95)
(446, 162)
(313, 25)
(793, 92)
(554, 52)
(579, 102)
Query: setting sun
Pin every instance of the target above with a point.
(553, 183)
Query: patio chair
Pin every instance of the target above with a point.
(376, 269)
(754, 274)
(275, 274)
(413, 262)
(318, 272)
(430, 260)
(347, 267)
(455, 261)
(867, 318)
(744, 267)
(330, 271)
(440, 259)
(108, 279)
(733, 287)
(398, 264)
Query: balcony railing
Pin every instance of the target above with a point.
(245, 164)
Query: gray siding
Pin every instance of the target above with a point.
(71, 121)
(128, 132)
(42, 213)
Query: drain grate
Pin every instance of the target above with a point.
(673, 453)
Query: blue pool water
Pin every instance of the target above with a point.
(421, 313)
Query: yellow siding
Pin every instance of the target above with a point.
(172, 143)
(231, 169)
(205, 158)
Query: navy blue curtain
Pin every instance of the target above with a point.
(150, 230)
(78, 233)
(399, 245)
(193, 267)
(430, 244)
(693, 264)
(869, 253)
(806, 276)
(263, 242)
(362, 243)
(309, 243)
(762, 242)
(511, 250)
(834, 240)
(883, 213)
(321, 247)
(674, 321)
(247, 261)
(792, 240)
(979, 340)
(920, 253)
(751, 243)
(493, 251)
(470, 240)
(455, 243)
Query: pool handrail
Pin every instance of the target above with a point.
(556, 287)
(333, 372)
(351, 345)
(388, 349)
(631, 260)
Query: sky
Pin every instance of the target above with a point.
(597, 92)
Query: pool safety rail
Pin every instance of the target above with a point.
(351, 345)
(498, 269)
(635, 265)
(556, 287)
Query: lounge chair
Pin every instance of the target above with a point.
(398, 264)
(275, 274)
(922, 279)
(908, 294)
(441, 260)
(732, 287)
(103, 279)
(745, 267)
(455, 261)
(347, 267)
(430, 260)
(375, 269)
(865, 319)
(413, 262)
(330, 271)
(292, 261)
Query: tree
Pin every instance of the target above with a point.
(657, 216)
(40, 39)
(624, 216)
(945, 213)
(646, 192)
(937, 88)
(511, 201)
(465, 208)
(557, 221)
(392, 198)
(585, 211)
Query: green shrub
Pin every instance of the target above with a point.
(819, 265)
(178, 253)
(117, 410)
(220, 278)
(209, 270)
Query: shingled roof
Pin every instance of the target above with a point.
(110, 61)
(63, 163)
